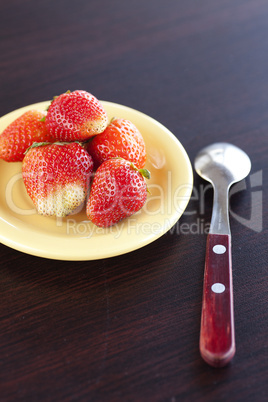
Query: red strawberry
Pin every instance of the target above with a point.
(75, 116)
(118, 191)
(121, 138)
(20, 135)
(56, 177)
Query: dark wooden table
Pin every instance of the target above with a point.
(126, 328)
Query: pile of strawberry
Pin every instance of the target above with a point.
(71, 154)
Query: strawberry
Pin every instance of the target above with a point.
(75, 116)
(118, 191)
(120, 139)
(56, 177)
(20, 135)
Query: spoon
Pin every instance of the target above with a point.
(221, 164)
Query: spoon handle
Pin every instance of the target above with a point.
(217, 338)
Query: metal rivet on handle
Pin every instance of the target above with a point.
(218, 288)
(219, 249)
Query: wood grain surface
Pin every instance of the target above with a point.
(127, 328)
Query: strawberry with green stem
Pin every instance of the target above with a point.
(122, 139)
(21, 134)
(76, 115)
(56, 177)
(118, 190)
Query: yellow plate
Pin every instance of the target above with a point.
(74, 237)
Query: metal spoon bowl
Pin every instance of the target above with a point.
(221, 164)
(223, 158)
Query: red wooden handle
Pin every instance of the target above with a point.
(217, 339)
